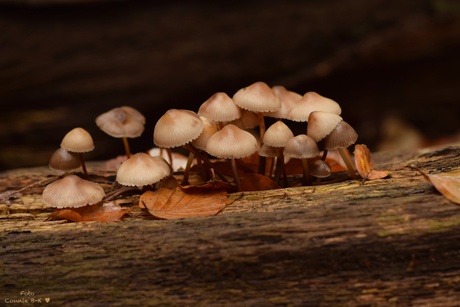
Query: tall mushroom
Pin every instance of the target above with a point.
(123, 122)
(310, 102)
(78, 140)
(72, 192)
(232, 143)
(220, 108)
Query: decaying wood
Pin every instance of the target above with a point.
(389, 242)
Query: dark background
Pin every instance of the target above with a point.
(62, 63)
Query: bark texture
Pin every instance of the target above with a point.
(389, 242)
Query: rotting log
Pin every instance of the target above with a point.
(389, 242)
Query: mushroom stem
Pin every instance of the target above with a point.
(126, 145)
(83, 165)
(261, 128)
(235, 174)
(345, 154)
(191, 156)
(307, 179)
(205, 159)
(323, 157)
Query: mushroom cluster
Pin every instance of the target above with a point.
(223, 127)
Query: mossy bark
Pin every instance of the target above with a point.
(389, 242)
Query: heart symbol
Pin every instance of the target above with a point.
(47, 299)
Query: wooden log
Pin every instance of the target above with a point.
(389, 242)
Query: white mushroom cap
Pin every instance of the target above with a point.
(257, 97)
(321, 124)
(72, 192)
(277, 135)
(268, 151)
(142, 169)
(220, 108)
(177, 128)
(231, 142)
(120, 122)
(77, 140)
(310, 102)
(248, 120)
(301, 147)
(341, 137)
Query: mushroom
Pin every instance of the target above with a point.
(277, 135)
(141, 169)
(78, 140)
(210, 127)
(302, 147)
(232, 143)
(268, 152)
(220, 108)
(340, 139)
(72, 192)
(288, 100)
(320, 169)
(63, 160)
(176, 128)
(310, 102)
(259, 98)
(123, 122)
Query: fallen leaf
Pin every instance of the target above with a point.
(210, 186)
(175, 204)
(257, 182)
(100, 212)
(363, 164)
(448, 184)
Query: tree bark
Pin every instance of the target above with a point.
(388, 242)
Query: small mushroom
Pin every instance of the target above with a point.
(78, 140)
(320, 169)
(220, 108)
(259, 98)
(232, 143)
(304, 148)
(72, 192)
(277, 135)
(141, 169)
(123, 122)
(62, 160)
(321, 124)
(340, 139)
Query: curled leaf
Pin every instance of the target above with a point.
(448, 184)
(363, 164)
(175, 203)
(100, 212)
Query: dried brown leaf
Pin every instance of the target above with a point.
(176, 203)
(100, 212)
(448, 184)
(257, 182)
(363, 164)
(212, 185)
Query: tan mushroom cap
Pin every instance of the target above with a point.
(232, 142)
(321, 124)
(177, 128)
(210, 127)
(63, 160)
(268, 151)
(78, 140)
(142, 169)
(220, 108)
(248, 120)
(301, 147)
(288, 99)
(310, 102)
(257, 97)
(341, 137)
(320, 169)
(72, 192)
(277, 135)
(121, 122)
